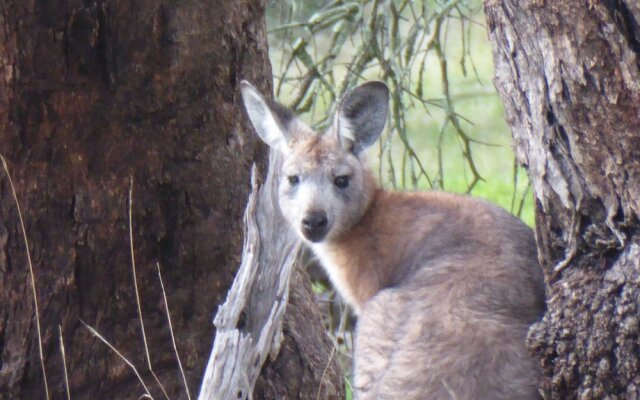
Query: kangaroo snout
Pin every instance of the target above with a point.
(314, 225)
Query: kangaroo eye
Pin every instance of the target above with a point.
(293, 180)
(341, 181)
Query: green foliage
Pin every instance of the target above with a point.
(446, 125)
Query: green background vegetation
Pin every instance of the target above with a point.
(469, 71)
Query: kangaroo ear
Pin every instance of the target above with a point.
(362, 115)
(268, 118)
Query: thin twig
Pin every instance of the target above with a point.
(451, 115)
(32, 276)
(515, 185)
(173, 339)
(122, 357)
(523, 198)
(135, 285)
(64, 364)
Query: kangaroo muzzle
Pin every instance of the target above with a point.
(315, 226)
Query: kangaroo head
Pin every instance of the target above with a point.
(325, 185)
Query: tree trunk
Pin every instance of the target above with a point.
(569, 76)
(91, 94)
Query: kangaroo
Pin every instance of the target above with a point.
(445, 286)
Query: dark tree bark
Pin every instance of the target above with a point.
(569, 76)
(91, 93)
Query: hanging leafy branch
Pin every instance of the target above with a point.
(325, 53)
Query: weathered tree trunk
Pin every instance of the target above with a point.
(250, 322)
(92, 93)
(569, 75)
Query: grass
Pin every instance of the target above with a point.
(113, 348)
(31, 276)
(93, 331)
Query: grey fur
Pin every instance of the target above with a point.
(364, 110)
(445, 286)
(453, 323)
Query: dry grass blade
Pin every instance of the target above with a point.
(341, 328)
(135, 285)
(324, 372)
(64, 364)
(32, 276)
(348, 383)
(122, 357)
(452, 394)
(173, 339)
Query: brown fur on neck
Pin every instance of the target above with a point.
(390, 243)
(369, 253)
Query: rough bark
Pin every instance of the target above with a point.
(569, 75)
(91, 93)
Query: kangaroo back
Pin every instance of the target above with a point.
(453, 325)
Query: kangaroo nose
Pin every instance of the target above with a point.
(314, 225)
(315, 220)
